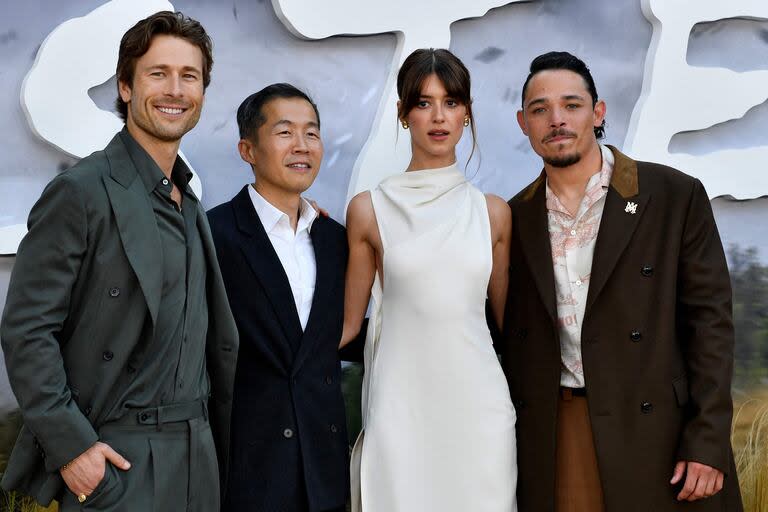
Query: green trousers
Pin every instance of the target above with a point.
(173, 468)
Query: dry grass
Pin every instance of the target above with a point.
(750, 445)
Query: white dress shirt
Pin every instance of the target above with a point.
(294, 249)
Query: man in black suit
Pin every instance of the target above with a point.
(283, 267)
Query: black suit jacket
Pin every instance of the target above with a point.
(289, 440)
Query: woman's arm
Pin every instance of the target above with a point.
(361, 267)
(501, 235)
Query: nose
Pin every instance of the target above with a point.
(300, 145)
(438, 114)
(557, 118)
(173, 85)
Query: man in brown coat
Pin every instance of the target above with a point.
(618, 342)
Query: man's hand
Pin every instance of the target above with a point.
(701, 481)
(84, 473)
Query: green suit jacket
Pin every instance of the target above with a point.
(81, 306)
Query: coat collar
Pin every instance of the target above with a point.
(136, 222)
(616, 229)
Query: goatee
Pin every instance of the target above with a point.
(563, 161)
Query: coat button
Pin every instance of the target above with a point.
(107, 355)
(647, 270)
(329, 380)
(519, 404)
(87, 411)
(131, 369)
(144, 416)
(635, 335)
(646, 407)
(288, 433)
(114, 292)
(334, 428)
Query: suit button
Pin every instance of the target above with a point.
(287, 433)
(334, 428)
(87, 411)
(329, 380)
(107, 355)
(519, 404)
(646, 407)
(114, 292)
(144, 416)
(646, 271)
(591, 341)
(635, 335)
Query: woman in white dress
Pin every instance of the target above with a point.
(429, 248)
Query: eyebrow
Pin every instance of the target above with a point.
(167, 66)
(567, 97)
(312, 124)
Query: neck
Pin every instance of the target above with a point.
(571, 182)
(164, 153)
(287, 202)
(419, 162)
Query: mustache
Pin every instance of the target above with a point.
(560, 132)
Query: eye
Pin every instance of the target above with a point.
(284, 132)
(539, 110)
(190, 76)
(422, 104)
(313, 135)
(157, 74)
(452, 103)
(572, 106)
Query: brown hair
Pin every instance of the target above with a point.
(138, 39)
(448, 68)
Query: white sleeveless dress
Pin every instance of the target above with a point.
(438, 423)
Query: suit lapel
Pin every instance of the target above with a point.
(624, 207)
(265, 264)
(326, 274)
(532, 223)
(136, 223)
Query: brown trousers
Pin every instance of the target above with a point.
(577, 479)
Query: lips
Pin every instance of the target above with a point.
(438, 134)
(300, 166)
(171, 110)
(559, 136)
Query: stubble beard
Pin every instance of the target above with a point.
(158, 130)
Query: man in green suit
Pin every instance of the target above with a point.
(118, 338)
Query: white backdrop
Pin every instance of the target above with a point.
(703, 108)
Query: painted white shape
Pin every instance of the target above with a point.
(79, 54)
(416, 24)
(678, 98)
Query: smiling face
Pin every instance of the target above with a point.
(436, 124)
(166, 96)
(558, 117)
(287, 150)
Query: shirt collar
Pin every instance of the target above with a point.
(596, 186)
(271, 216)
(148, 169)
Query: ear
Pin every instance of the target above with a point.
(599, 112)
(124, 90)
(521, 122)
(245, 148)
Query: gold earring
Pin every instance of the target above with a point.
(405, 124)
(466, 121)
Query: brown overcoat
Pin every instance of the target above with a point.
(657, 342)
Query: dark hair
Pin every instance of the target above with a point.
(568, 62)
(138, 39)
(449, 69)
(250, 114)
